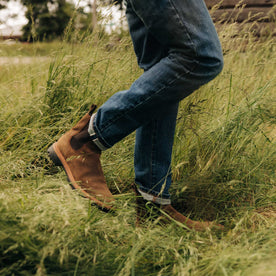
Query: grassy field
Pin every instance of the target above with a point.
(224, 165)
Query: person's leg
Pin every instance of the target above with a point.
(152, 156)
(194, 58)
(187, 55)
(152, 162)
(153, 147)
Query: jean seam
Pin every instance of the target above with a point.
(184, 26)
(153, 154)
(148, 98)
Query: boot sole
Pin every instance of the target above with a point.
(58, 159)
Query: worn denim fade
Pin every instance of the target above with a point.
(177, 45)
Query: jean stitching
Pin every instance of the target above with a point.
(184, 26)
(153, 153)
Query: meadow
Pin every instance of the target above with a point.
(224, 165)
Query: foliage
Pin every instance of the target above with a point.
(46, 19)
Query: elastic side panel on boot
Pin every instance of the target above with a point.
(92, 109)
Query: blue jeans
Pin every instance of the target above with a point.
(177, 46)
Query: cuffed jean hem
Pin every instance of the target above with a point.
(94, 137)
(155, 199)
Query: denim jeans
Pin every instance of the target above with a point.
(176, 44)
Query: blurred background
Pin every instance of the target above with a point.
(45, 20)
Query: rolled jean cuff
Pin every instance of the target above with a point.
(155, 199)
(94, 137)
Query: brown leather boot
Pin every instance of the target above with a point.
(147, 210)
(80, 159)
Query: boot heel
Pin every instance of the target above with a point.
(53, 156)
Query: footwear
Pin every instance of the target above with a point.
(166, 213)
(80, 159)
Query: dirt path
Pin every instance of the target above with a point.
(22, 60)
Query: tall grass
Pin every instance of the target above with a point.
(223, 168)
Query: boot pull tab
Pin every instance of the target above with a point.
(92, 109)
